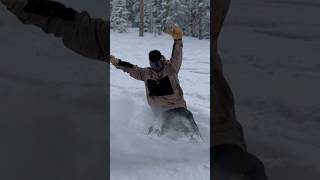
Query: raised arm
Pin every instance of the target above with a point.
(134, 71)
(176, 57)
(79, 32)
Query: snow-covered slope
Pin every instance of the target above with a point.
(136, 155)
(270, 51)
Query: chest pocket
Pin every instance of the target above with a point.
(161, 87)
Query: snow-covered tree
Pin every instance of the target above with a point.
(157, 13)
(119, 16)
(192, 15)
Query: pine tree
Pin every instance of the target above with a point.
(204, 24)
(193, 16)
(119, 16)
(156, 13)
(149, 20)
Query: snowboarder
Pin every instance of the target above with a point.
(230, 158)
(163, 91)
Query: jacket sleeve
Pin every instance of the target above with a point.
(176, 57)
(79, 32)
(134, 71)
(85, 36)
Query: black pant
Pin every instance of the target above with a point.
(179, 119)
(232, 162)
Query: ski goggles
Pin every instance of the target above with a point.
(156, 64)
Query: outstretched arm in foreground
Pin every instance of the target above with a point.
(81, 33)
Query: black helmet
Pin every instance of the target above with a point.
(154, 56)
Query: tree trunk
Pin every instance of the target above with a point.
(141, 26)
(200, 24)
(193, 24)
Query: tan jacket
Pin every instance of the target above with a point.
(163, 90)
(225, 129)
(84, 35)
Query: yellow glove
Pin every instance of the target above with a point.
(174, 30)
(114, 61)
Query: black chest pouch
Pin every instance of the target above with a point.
(161, 87)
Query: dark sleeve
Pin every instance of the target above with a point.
(134, 71)
(79, 32)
